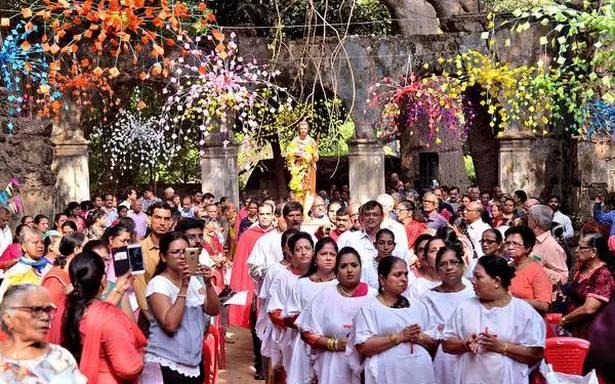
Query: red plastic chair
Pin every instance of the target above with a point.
(552, 322)
(566, 354)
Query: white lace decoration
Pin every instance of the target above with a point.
(177, 367)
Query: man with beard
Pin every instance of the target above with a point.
(160, 223)
(560, 218)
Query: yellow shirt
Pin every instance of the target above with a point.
(151, 257)
(21, 273)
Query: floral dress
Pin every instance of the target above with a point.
(599, 285)
(58, 366)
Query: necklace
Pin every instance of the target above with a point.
(501, 302)
(384, 302)
(343, 291)
(318, 279)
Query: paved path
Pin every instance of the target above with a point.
(239, 361)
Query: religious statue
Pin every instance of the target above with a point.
(301, 158)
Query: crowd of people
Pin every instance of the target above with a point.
(443, 286)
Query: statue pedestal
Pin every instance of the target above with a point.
(366, 170)
(219, 170)
(70, 164)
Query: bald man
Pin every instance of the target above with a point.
(472, 215)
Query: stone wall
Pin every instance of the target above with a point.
(28, 154)
(595, 174)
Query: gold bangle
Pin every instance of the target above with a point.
(394, 339)
(118, 291)
(182, 295)
(505, 349)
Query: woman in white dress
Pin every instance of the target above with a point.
(387, 331)
(498, 337)
(442, 301)
(320, 276)
(429, 273)
(302, 248)
(264, 326)
(326, 322)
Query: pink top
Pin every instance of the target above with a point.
(532, 283)
(11, 253)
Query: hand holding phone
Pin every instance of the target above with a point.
(192, 259)
(135, 256)
(599, 199)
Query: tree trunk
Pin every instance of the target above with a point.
(281, 184)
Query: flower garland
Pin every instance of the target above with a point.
(299, 158)
(431, 106)
(218, 92)
(132, 141)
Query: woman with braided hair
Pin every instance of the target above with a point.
(388, 332)
(108, 346)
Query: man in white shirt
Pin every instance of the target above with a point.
(370, 216)
(472, 215)
(559, 218)
(318, 213)
(268, 248)
(109, 209)
(6, 238)
(401, 238)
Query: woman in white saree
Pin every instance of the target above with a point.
(498, 337)
(387, 331)
(442, 301)
(326, 322)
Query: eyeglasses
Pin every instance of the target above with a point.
(37, 311)
(512, 244)
(401, 210)
(583, 248)
(487, 241)
(452, 263)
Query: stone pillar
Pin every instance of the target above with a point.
(366, 169)
(515, 164)
(70, 165)
(219, 170)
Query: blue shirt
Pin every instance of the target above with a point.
(605, 218)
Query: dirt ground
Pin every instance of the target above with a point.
(239, 359)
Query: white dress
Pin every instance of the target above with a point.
(399, 363)
(440, 306)
(300, 369)
(281, 292)
(516, 323)
(418, 286)
(320, 318)
(264, 326)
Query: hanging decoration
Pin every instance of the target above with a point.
(90, 43)
(9, 196)
(599, 120)
(24, 71)
(430, 106)
(132, 141)
(217, 91)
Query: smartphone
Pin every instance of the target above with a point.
(192, 259)
(121, 263)
(135, 256)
